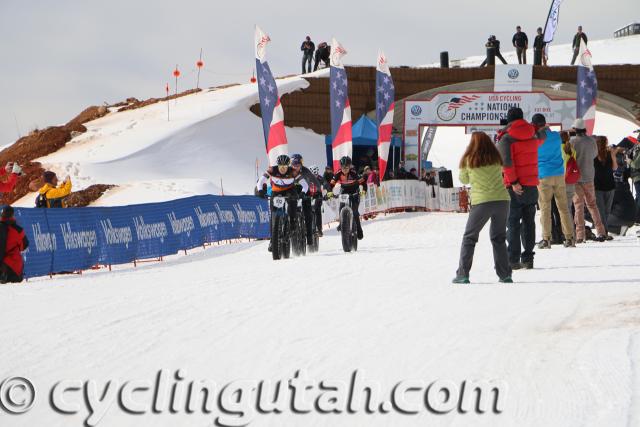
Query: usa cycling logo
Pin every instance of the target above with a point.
(513, 74)
(416, 110)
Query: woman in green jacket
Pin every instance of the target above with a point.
(481, 167)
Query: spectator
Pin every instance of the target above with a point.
(623, 210)
(567, 153)
(604, 164)
(307, 48)
(374, 177)
(328, 174)
(12, 242)
(552, 185)
(635, 177)
(495, 44)
(538, 49)
(50, 195)
(323, 53)
(518, 146)
(480, 167)
(586, 151)
(9, 177)
(413, 174)
(521, 43)
(577, 39)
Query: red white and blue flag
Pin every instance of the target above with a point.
(587, 92)
(385, 94)
(275, 137)
(340, 108)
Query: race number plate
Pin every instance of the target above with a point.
(278, 202)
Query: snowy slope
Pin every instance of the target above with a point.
(211, 141)
(564, 337)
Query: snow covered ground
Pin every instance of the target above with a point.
(564, 337)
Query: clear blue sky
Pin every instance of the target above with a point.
(59, 57)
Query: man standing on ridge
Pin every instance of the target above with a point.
(577, 39)
(521, 43)
(307, 48)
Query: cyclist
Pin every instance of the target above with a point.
(319, 196)
(350, 183)
(285, 181)
(297, 164)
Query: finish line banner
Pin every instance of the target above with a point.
(478, 109)
(78, 238)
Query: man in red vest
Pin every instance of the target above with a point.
(12, 242)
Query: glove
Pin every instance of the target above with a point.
(362, 193)
(329, 195)
(16, 169)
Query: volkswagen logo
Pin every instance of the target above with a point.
(416, 110)
(513, 74)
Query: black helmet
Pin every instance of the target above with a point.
(345, 161)
(296, 159)
(283, 160)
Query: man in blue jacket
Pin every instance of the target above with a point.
(551, 174)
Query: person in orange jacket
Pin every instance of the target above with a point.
(12, 241)
(50, 195)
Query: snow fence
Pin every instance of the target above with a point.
(76, 239)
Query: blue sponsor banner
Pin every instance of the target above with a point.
(79, 238)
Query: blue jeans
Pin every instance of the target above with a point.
(521, 226)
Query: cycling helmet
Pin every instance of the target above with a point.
(314, 169)
(296, 159)
(345, 161)
(283, 160)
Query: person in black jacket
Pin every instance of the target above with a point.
(350, 183)
(521, 43)
(322, 54)
(577, 39)
(538, 49)
(494, 43)
(307, 48)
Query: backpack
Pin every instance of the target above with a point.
(572, 172)
(41, 201)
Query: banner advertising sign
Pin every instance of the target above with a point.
(477, 109)
(428, 136)
(513, 78)
(78, 238)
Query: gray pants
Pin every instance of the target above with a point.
(522, 55)
(498, 213)
(604, 200)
